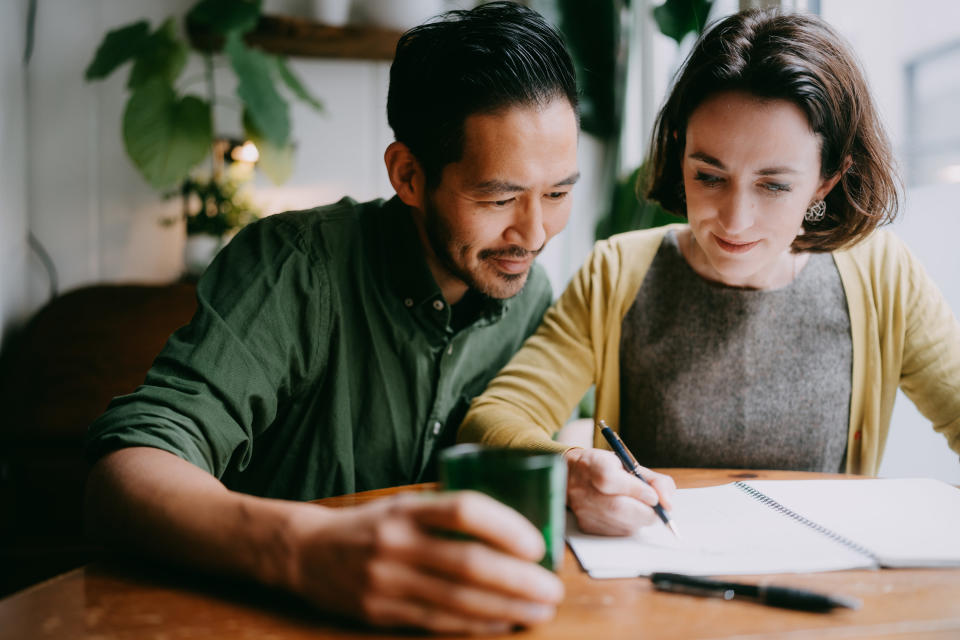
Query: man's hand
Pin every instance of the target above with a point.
(606, 499)
(386, 563)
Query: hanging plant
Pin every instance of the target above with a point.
(169, 130)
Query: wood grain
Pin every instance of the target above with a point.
(126, 600)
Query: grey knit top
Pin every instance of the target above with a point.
(716, 376)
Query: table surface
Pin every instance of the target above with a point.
(114, 600)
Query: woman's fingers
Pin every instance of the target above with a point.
(609, 501)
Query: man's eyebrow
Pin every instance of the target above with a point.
(569, 180)
(488, 187)
(768, 171)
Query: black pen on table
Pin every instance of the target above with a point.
(632, 466)
(787, 597)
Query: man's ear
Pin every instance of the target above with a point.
(405, 174)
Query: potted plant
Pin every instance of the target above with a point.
(168, 121)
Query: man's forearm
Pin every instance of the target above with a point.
(153, 502)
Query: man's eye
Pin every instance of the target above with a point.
(501, 203)
(558, 195)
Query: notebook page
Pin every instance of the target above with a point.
(722, 531)
(912, 522)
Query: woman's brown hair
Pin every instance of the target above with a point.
(801, 59)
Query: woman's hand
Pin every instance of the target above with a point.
(607, 500)
(388, 563)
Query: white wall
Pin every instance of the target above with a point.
(100, 220)
(930, 227)
(895, 31)
(13, 193)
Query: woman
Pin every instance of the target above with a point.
(773, 329)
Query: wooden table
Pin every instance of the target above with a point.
(107, 601)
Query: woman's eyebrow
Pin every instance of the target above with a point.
(768, 171)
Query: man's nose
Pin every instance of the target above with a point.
(526, 229)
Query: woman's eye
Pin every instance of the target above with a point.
(776, 187)
(707, 179)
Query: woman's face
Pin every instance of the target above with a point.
(751, 168)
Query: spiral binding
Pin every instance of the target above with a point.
(790, 513)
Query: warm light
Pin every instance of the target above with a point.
(950, 173)
(247, 152)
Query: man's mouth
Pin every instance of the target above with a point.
(512, 265)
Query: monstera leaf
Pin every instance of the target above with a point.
(267, 109)
(166, 135)
(163, 55)
(118, 46)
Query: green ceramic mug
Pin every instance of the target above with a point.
(532, 482)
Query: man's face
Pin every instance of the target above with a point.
(496, 208)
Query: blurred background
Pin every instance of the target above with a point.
(87, 206)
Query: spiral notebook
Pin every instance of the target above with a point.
(788, 526)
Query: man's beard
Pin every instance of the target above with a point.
(444, 246)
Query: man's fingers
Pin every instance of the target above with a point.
(455, 598)
(481, 517)
(386, 611)
(466, 561)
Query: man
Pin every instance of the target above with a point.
(336, 350)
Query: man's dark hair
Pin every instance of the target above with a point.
(469, 62)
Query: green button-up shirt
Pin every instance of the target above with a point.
(323, 359)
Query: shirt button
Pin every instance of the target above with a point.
(408, 302)
(438, 305)
(437, 426)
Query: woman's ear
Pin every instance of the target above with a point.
(827, 184)
(405, 174)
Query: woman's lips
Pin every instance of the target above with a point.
(734, 247)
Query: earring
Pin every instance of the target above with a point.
(815, 211)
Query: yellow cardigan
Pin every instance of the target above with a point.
(902, 330)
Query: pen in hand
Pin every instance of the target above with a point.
(788, 597)
(633, 467)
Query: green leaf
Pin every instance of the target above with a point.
(275, 162)
(166, 136)
(268, 110)
(117, 47)
(677, 18)
(163, 55)
(226, 16)
(595, 35)
(294, 84)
